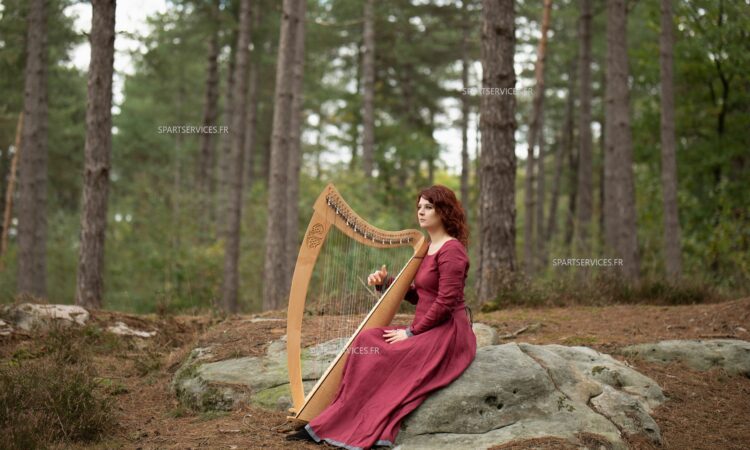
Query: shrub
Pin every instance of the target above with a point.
(46, 400)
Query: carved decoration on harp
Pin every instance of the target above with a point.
(330, 211)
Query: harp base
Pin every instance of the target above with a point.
(295, 423)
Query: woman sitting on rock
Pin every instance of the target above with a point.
(379, 389)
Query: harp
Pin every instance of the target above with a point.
(333, 222)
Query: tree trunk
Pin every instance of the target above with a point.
(672, 232)
(32, 205)
(230, 287)
(621, 218)
(276, 257)
(357, 115)
(572, 186)
(465, 110)
(538, 104)
(541, 239)
(498, 164)
(252, 106)
(585, 184)
(368, 107)
(10, 190)
(98, 148)
(295, 148)
(562, 149)
(602, 166)
(224, 166)
(207, 157)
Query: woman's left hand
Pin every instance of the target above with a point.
(393, 336)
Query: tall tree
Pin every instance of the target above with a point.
(368, 105)
(538, 104)
(230, 286)
(32, 205)
(274, 277)
(224, 168)
(585, 183)
(672, 232)
(207, 156)
(498, 157)
(541, 238)
(562, 149)
(295, 146)
(98, 148)
(252, 102)
(465, 107)
(620, 220)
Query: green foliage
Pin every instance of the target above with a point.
(163, 251)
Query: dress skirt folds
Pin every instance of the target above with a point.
(383, 382)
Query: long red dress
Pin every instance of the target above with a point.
(383, 382)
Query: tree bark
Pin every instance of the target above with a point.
(368, 106)
(621, 217)
(498, 163)
(672, 232)
(276, 257)
(32, 205)
(465, 110)
(538, 104)
(251, 128)
(295, 148)
(98, 148)
(225, 153)
(562, 148)
(207, 158)
(10, 190)
(585, 184)
(541, 238)
(230, 287)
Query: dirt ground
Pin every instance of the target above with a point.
(704, 410)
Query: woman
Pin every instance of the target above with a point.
(379, 388)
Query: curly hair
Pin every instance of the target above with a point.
(449, 210)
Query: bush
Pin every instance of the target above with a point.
(50, 392)
(602, 289)
(46, 400)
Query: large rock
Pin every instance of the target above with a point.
(27, 316)
(733, 355)
(510, 392)
(486, 335)
(521, 391)
(263, 381)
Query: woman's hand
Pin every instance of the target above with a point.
(393, 336)
(377, 277)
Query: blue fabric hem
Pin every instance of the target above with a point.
(341, 444)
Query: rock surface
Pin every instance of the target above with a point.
(263, 381)
(27, 316)
(520, 391)
(486, 335)
(121, 329)
(510, 392)
(733, 355)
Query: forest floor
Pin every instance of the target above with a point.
(704, 410)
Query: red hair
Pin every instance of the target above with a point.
(449, 210)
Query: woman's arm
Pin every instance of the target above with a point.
(452, 263)
(411, 295)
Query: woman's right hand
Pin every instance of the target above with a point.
(377, 277)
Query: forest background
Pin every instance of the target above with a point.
(166, 234)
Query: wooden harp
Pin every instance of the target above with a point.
(332, 215)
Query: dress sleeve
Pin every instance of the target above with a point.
(452, 263)
(411, 295)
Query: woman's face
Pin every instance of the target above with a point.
(427, 216)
